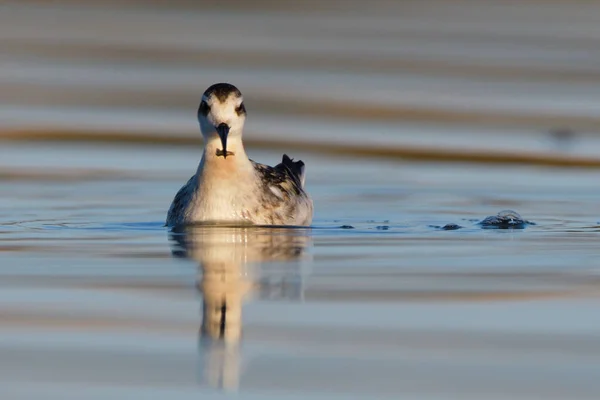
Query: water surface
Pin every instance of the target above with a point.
(375, 300)
(99, 300)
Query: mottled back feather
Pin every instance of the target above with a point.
(283, 189)
(296, 168)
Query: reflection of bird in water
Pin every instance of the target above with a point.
(237, 263)
(228, 186)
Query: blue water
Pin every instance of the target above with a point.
(99, 298)
(375, 300)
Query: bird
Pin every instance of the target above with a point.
(228, 187)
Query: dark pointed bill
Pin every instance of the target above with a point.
(223, 131)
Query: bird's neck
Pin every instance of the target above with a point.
(236, 161)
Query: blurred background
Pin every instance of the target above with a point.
(424, 78)
(410, 115)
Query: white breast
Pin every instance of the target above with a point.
(224, 196)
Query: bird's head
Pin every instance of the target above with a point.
(221, 115)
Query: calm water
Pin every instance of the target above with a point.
(99, 300)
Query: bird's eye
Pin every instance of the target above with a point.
(240, 109)
(204, 108)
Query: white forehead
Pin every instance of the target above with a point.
(231, 98)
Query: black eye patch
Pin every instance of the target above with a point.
(204, 108)
(241, 109)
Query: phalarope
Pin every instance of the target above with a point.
(228, 186)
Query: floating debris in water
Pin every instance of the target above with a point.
(382, 227)
(447, 227)
(346, 227)
(451, 227)
(506, 219)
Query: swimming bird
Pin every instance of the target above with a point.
(228, 186)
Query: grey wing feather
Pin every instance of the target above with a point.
(179, 204)
(287, 176)
(283, 191)
(295, 168)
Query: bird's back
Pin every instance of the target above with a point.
(283, 199)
